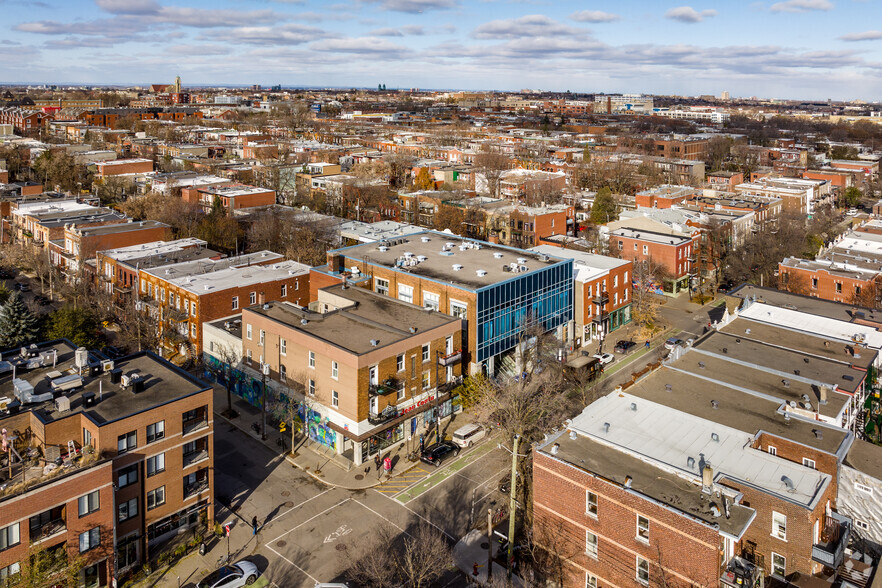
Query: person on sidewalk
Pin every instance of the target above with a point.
(254, 525)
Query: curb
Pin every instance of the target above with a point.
(290, 459)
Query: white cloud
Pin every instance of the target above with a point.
(360, 45)
(801, 6)
(414, 30)
(688, 14)
(129, 6)
(417, 6)
(865, 36)
(287, 34)
(594, 16)
(532, 25)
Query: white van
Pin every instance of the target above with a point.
(466, 435)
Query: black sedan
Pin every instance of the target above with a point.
(624, 346)
(437, 452)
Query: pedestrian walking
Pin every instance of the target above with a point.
(254, 526)
(647, 344)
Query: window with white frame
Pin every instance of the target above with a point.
(431, 300)
(425, 353)
(261, 337)
(312, 359)
(646, 250)
(9, 573)
(809, 463)
(335, 399)
(459, 309)
(284, 290)
(283, 347)
(779, 525)
(335, 370)
(381, 286)
(401, 392)
(863, 525)
(283, 373)
(591, 503)
(235, 303)
(591, 544)
(590, 581)
(405, 293)
(248, 356)
(642, 529)
(773, 450)
(779, 565)
(252, 298)
(193, 330)
(642, 571)
(426, 380)
(399, 362)
(312, 387)
(248, 332)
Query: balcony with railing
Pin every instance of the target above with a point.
(174, 314)
(192, 488)
(452, 358)
(834, 539)
(194, 420)
(386, 415)
(740, 573)
(387, 386)
(47, 523)
(601, 298)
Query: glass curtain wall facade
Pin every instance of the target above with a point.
(543, 297)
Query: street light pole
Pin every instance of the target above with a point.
(264, 370)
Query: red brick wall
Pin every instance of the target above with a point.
(135, 167)
(674, 258)
(686, 549)
(799, 281)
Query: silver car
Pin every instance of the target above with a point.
(243, 573)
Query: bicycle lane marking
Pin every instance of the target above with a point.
(446, 473)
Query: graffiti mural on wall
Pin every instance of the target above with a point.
(242, 385)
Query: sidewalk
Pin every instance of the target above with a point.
(317, 461)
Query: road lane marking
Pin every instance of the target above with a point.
(308, 575)
(344, 501)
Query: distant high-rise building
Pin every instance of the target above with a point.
(724, 95)
(177, 84)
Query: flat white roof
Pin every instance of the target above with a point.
(237, 277)
(586, 266)
(811, 323)
(668, 438)
(153, 248)
(124, 161)
(44, 207)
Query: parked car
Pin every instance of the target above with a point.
(243, 573)
(605, 358)
(22, 287)
(624, 346)
(5, 274)
(673, 342)
(466, 435)
(436, 453)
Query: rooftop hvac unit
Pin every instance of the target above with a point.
(497, 255)
(481, 273)
(62, 404)
(89, 399)
(81, 357)
(457, 267)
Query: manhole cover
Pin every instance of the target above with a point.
(484, 545)
(285, 493)
(359, 476)
(281, 543)
(289, 504)
(340, 547)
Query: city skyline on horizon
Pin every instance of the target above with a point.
(789, 50)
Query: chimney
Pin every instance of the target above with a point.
(823, 393)
(707, 478)
(261, 298)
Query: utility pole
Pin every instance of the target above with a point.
(512, 504)
(489, 545)
(264, 369)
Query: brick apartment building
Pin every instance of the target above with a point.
(110, 117)
(848, 271)
(680, 147)
(24, 122)
(373, 372)
(499, 290)
(525, 226)
(80, 243)
(724, 180)
(797, 195)
(696, 472)
(602, 292)
(183, 296)
(123, 167)
(672, 253)
(231, 198)
(665, 196)
(135, 444)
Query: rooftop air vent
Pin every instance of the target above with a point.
(628, 480)
(785, 383)
(715, 437)
(805, 397)
(266, 306)
(847, 377)
(668, 388)
(374, 342)
(606, 427)
(522, 260)
(481, 273)
(304, 322)
(457, 267)
(701, 364)
(796, 372)
(425, 239)
(422, 258)
(573, 435)
(715, 404)
(819, 434)
(747, 331)
(715, 510)
(738, 340)
(497, 255)
(690, 462)
(555, 448)
(805, 359)
(383, 248)
(634, 406)
(413, 329)
(788, 483)
(725, 350)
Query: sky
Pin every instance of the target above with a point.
(798, 49)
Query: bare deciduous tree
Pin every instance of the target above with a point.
(492, 164)
(415, 559)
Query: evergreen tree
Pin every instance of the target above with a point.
(79, 325)
(605, 208)
(18, 325)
